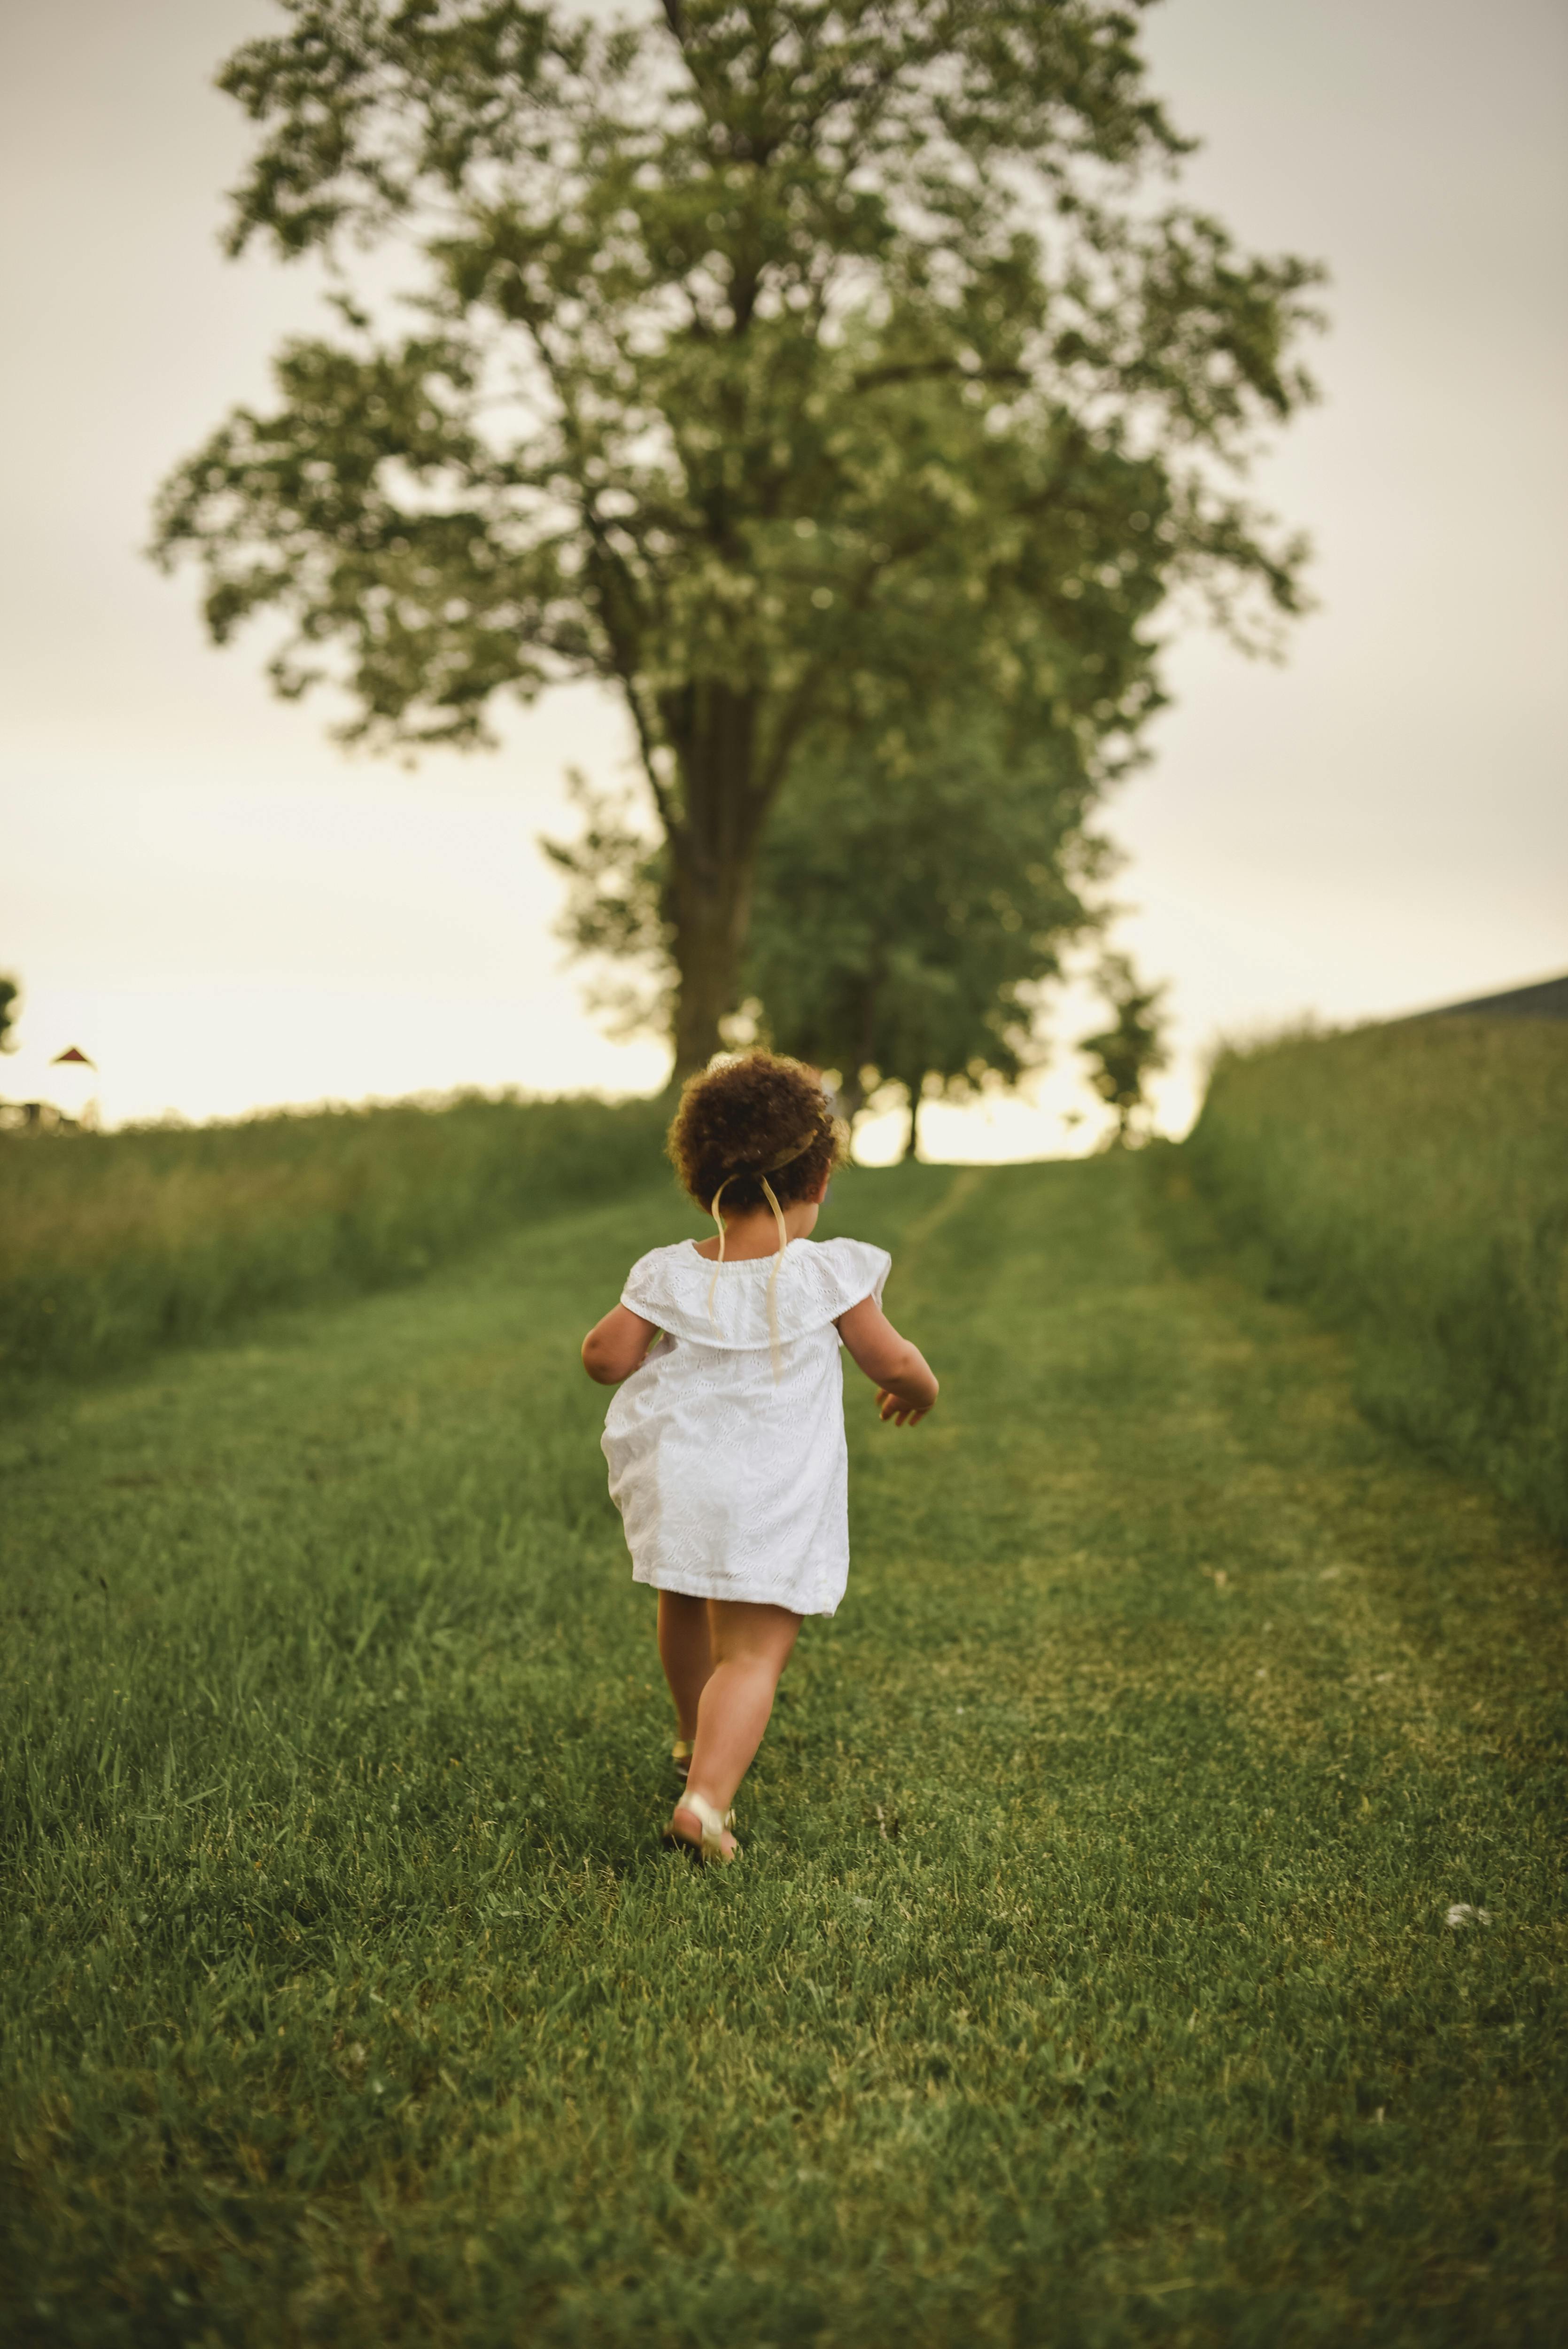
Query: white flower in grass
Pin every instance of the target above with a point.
(1462, 1913)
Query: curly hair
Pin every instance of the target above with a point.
(760, 1114)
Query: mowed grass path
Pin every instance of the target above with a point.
(1086, 1979)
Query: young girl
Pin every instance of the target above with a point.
(726, 1442)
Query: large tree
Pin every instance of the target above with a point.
(748, 338)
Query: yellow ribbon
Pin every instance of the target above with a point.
(773, 1339)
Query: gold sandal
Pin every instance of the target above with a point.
(681, 1754)
(713, 1823)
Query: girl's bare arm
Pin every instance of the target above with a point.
(906, 1387)
(615, 1346)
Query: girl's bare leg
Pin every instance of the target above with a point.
(750, 1646)
(684, 1652)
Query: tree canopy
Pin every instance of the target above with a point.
(1132, 1048)
(749, 342)
(906, 923)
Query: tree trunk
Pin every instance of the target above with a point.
(911, 1135)
(851, 1099)
(713, 859)
(712, 914)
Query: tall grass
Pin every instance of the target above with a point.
(1409, 1183)
(113, 1243)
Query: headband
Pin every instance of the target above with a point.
(776, 1165)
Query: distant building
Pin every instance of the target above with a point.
(66, 1107)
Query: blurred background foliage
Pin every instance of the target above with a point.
(112, 1244)
(914, 894)
(1409, 1185)
(1131, 1049)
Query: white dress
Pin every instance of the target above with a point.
(733, 1483)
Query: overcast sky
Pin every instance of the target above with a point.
(197, 888)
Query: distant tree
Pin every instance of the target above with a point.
(907, 921)
(1132, 1048)
(10, 996)
(752, 333)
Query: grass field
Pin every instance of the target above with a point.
(112, 1244)
(1086, 1978)
(1410, 1184)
